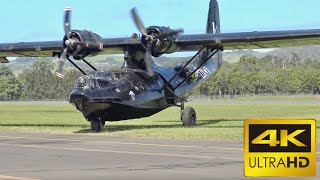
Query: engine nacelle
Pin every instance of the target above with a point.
(161, 46)
(84, 43)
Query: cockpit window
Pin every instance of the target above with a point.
(106, 76)
(102, 83)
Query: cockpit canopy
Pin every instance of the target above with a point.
(98, 79)
(104, 79)
(106, 76)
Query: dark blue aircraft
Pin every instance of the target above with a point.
(142, 88)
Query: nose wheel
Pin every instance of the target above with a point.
(188, 116)
(97, 124)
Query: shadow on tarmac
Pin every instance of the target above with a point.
(200, 123)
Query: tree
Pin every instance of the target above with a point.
(269, 74)
(5, 71)
(10, 86)
(41, 83)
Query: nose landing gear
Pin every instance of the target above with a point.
(97, 124)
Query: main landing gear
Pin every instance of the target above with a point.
(188, 116)
(97, 124)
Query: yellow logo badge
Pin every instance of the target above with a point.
(280, 147)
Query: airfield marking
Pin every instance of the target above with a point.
(15, 178)
(124, 143)
(120, 152)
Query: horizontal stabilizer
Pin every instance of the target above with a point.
(3, 60)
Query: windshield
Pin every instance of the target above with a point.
(106, 76)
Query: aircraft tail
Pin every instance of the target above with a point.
(205, 67)
(213, 24)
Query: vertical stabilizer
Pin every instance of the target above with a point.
(213, 24)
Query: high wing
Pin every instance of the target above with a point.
(52, 48)
(250, 40)
(193, 42)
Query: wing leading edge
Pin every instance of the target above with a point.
(193, 42)
(250, 40)
(52, 48)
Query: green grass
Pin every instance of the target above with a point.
(215, 122)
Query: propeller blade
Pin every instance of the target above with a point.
(59, 68)
(168, 33)
(60, 64)
(64, 53)
(148, 60)
(67, 26)
(138, 22)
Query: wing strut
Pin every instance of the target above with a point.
(89, 64)
(182, 100)
(182, 69)
(3, 60)
(208, 58)
(76, 66)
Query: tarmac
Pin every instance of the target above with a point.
(31, 156)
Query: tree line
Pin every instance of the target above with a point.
(266, 75)
(250, 75)
(36, 83)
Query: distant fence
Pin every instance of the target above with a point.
(191, 97)
(209, 97)
(48, 101)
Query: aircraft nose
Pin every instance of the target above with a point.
(78, 100)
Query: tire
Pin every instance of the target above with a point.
(103, 123)
(189, 117)
(95, 125)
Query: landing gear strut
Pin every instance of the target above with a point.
(188, 116)
(96, 124)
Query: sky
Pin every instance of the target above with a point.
(39, 20)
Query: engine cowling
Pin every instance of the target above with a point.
(161, 46)
(82, 43)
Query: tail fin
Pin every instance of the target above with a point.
(213, 24)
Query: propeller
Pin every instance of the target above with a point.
(76, 43)
(59, 68)
(148, 60)
(150, 39)
(72, 42)
(67, 30)
(67, 27)
(138, 22)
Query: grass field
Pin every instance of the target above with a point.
(215, 121)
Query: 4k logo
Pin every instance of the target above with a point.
(279, 147)
(284, 138)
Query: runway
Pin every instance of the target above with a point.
(52, 156)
